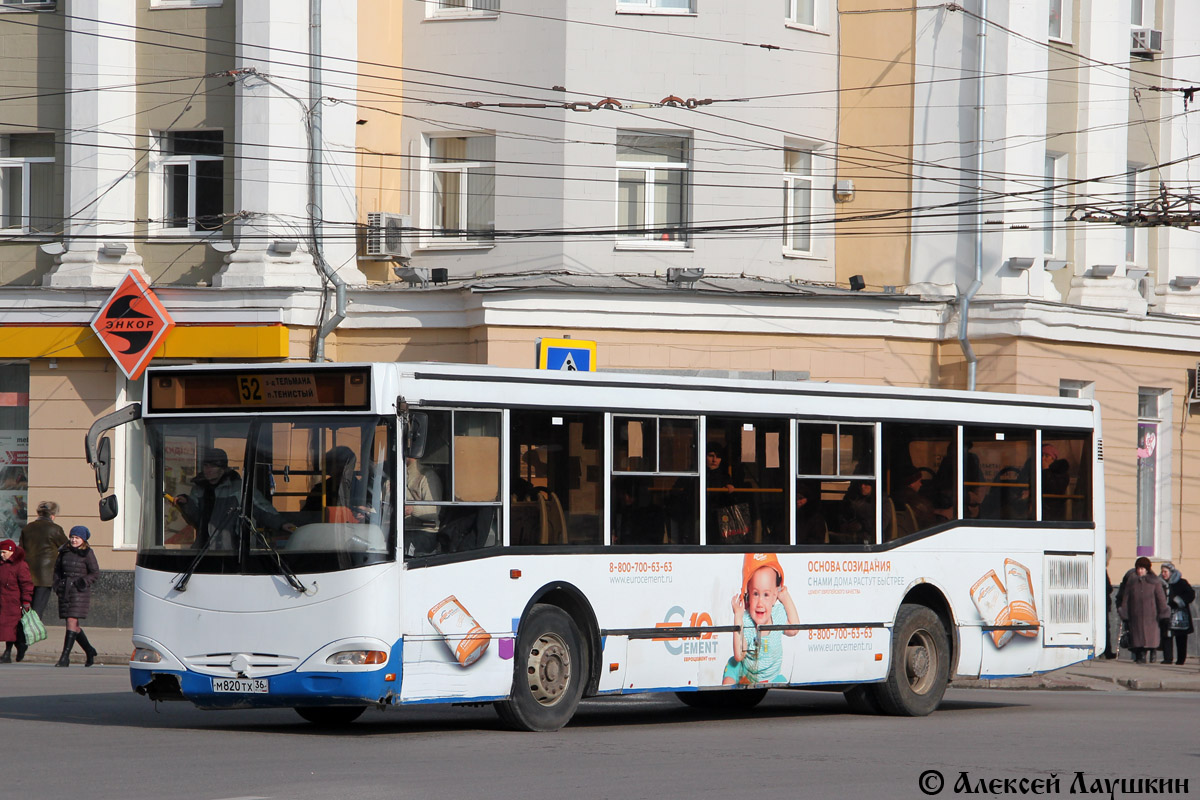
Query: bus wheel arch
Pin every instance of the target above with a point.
(920, 666)
(923, 593)
(549, 671)
(568, 597)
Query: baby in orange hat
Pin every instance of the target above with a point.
(758, 654)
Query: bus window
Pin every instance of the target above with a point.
(452, 493)
(746, 487)
(1066, 476)
(998, 473)
(920, 475)
(655, 481)
(557, 494)
(836, 473)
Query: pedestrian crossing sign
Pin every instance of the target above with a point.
(567, 355)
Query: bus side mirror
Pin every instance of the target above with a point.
(103, 465)
(416, 433)
(108, 508)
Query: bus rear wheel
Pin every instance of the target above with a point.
(549, 672)
(920, 667)
(330, 716)
(725, 700)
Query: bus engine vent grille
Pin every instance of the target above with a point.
(220, 664)
(1068, 598)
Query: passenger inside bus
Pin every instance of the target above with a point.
(421, 486)
(338, 497)
(810, 523)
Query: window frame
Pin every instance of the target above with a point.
(1055, 233)
(475, 9)
(792, 19)
(24, 163)
(176, 4)
(648, 238)
(1137, 240)
(1066, 22)
(791, 180)
(432, 238)
(653, 7)
(1156, 541)
(160, 188)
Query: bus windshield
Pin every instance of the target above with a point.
(315, 493)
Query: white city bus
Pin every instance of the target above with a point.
(338, 536)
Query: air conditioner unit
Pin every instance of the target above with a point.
(389, 236)
(1145, 41)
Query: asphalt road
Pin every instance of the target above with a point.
(82, 733)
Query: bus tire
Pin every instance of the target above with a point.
(920, 667)
(724, 701)
(549, 672)
(330, 716)
(862, 699)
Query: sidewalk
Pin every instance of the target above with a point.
(114, 646)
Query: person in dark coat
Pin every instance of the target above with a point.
(41, 540)
(16, 593)
(1180, 595)
(1109, 651)
(214, 506)
(1142, 606)
(74, 573)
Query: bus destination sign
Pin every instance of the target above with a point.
(278, 389)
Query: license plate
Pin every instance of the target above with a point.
(241, 685)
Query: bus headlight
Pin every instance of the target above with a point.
(145, 655)
(357, 658)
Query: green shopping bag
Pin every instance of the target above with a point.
(32, 627)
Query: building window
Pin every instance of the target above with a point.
(1068, 387)
(1137, 249)
(28, 5)
(14, 449)
(193, 181)
(462, 8)
(1153, 467)
(26, 182)
(463, 188)
(652, 186)
(802, 12)
(1137, 13)
(1054, 232)
(185, 3)
(666, 6)
(1057, 29)
(797, 200)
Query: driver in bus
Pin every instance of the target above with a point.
(214, 508)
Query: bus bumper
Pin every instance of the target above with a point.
(283, 690)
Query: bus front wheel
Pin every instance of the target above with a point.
(330, 715)
(549, 672)
(920, 667)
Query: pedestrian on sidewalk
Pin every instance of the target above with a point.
(1178, 625)
(16, 592)
(1144, 603)
(74, 573)
(1109, 652)
(41, 540)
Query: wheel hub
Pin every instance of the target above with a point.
(549, 669)
(919, 660)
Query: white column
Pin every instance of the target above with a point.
(1102, 151)
(272, 178)
(102, 147)
(1179, 250)
(1015, 113)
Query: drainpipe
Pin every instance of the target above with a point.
(964, 303)
(316, 187)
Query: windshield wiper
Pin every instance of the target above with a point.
(284, 569)
(182, 583)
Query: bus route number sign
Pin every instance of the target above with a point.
(266, 389)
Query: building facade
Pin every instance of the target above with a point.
(815, 187)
